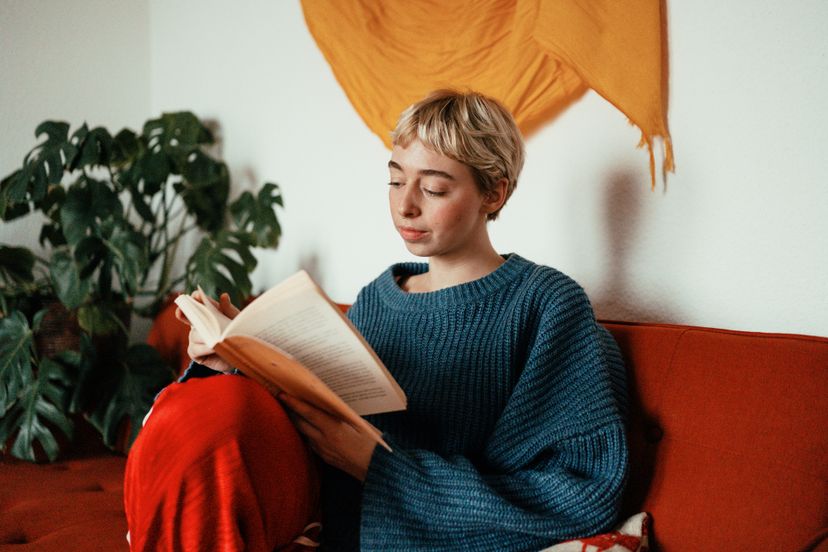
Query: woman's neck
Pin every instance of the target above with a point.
(445, 272)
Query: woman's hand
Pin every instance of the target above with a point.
(198, 349)
(336, 442)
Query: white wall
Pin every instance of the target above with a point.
(73, 62)
(737, 239)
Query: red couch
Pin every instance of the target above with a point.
(728, 437)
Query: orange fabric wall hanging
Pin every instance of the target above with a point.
(535, 56)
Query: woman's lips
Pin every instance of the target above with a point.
(411, 234)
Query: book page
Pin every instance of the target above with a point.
(201, 319)
(298, 283)
(310, 329)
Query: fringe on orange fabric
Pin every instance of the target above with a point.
(668, 163)
(535, 56)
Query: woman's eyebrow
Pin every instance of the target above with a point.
(423, 172)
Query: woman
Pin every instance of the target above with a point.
(514, 434)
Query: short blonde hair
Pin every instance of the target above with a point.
(470, 128)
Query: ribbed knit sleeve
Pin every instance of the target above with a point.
(554, 463)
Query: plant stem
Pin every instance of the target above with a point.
(171, 248)
(161, 293)
(157, 235)
(113, 177)
(40, 259)
(169, 253)
(178, 212)
(165, 269)
(128, 210)
(180, 233)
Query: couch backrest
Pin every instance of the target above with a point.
(728, 436)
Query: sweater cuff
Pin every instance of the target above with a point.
(382, 481)
(384, 464)
(196, 370)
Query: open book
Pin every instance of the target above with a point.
(293, 338)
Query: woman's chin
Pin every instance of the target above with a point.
(418, 249)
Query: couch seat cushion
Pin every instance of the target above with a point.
(71, 505)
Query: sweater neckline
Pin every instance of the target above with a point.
(397, 298)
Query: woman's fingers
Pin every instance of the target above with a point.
(195, 337)
(303, 418)
(197, 347)
(201, 298)
(223, 304)
(202, 353)
(215, 363)
(307, 428)
(227, 307)
(314, 416)
(336, 442)
(197, 352)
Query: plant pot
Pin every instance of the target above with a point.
(59, 330)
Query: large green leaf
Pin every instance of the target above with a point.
(88, 201)
(45, 164)
(15, 358)
(205, 188)
(142, 205)
(140, 172)
(169, 141)
(222, 263)
(138, 378)
(51, 207)
(128, 249)
(90, 252)
(81, 368)
(14, 186)
(76, 140)
(77, 216)
(53, 202)
(16, 265)
(125, 148)
(100, 318)
(154, 168)
(70, 288)
(12, 196)
(258, 215)
(95, 148)
(36, 407)
(178, 132)
(53, 234)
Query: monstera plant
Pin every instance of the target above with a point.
(115, 211)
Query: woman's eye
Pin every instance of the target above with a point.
(433, 193)
(394, 184)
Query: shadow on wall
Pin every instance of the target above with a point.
(310, 262)
(618, 298)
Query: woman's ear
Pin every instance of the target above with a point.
(494, 199)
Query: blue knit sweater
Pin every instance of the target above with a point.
(514, 434)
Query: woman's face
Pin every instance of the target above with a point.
(435, 203)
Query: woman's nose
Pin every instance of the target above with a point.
(407, 206)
